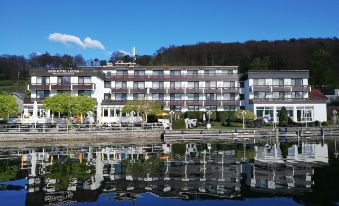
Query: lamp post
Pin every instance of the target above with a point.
(171, 114)
(243, 118)
(209, 119)
(335, 116)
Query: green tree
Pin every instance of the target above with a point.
(144, 107)
(260, 63)
(321, 68)
(72, 105)
(83, 104)
(283, 117)
(59, 103)
(8, 106)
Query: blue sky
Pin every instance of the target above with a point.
(25, 26)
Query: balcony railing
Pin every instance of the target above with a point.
(201, 77)
(51, 86)
(32, 100)
(285, 101)
(279, 88)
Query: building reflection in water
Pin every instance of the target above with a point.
(189, 171)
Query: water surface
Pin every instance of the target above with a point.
(293, 173)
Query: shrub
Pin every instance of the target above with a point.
(226, 115)
(325, 123)
(248, 115)
(179, 124)
(283, 117)
(152, 118)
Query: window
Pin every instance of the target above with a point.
(229, 108)
(297, 82)
(229, 96)
(64, 91)
(175, 72)
(105, 112)
(260, 95)
(138, 96)
(42, 80)
(193, 96)
(175, 85)
(210, 72)
(211, 108)
(157, 85)
(227, 71)
(158, 72)
(85, 93)
(259, 82)
(289, 112)
(139, 72)
(107, 84)
(107, 96)
(265, 112)
(192, 72)
(175, 108)
(121, 85)
(211, 84)
(211, 96)
(122, 72)
(193, 108)
(109, 73)
(158, 96)
(112, 112)
(175, 96)
(278, 82)
(297, 95)
(278, 95)
(64, 80)
(229, 84)
(193, 85)
(40, 94)
(120, 96)
(305, 114)
(138, 85)
(84, 80)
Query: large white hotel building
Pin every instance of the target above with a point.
(180, 88)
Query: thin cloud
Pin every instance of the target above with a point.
(67, 38)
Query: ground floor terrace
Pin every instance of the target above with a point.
(297, 112)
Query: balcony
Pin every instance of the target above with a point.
(157, 90)
(87, 86)
(212, 90)
(34, 86)
(194, 90)
(119, 90)
(201, 77)
(176, 90)
(113, 102)
(194, 103)
(305, 88)
(285, 101)
(138, 90)
(279, 88)
(31, 100)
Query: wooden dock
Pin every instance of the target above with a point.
(261, 134)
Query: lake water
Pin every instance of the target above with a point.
(294, 173)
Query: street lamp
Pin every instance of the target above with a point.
(171, 114)
(209, 116)
(243, 112)
(209, 119)
(334, 116)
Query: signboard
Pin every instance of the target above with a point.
(62, 71)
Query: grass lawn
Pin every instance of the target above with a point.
(217, 125)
